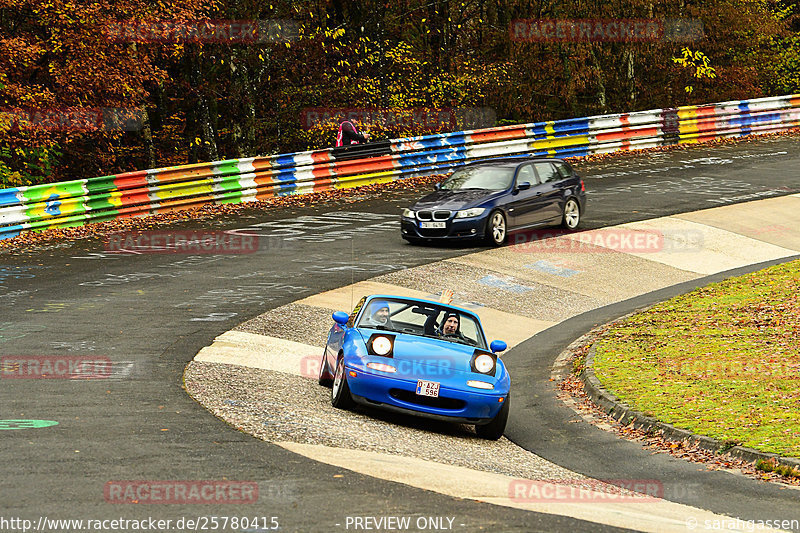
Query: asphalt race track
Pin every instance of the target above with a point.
(548, 427)
(149, 314)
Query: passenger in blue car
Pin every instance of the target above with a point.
(379, 315)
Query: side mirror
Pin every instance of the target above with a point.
(340, 317)
(498, 346)
(524, 186)
(437, 186)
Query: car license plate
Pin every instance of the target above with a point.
(428, 388)
(433, 225)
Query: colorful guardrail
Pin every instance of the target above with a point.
(144, 192)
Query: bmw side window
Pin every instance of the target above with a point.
(563, 170)
(357, 308)
(546, 171)
(526, 174)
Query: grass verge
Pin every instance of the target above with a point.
(721, 361)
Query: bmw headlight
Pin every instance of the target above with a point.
(484, 363)
(470, 213)
(381, 345)
(408, 213)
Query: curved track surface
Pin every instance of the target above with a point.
(150, 314)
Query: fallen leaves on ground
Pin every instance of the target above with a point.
(102, 229)
(572, 387)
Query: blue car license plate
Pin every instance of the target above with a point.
(433, 225)
(428, 388)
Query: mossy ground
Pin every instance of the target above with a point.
(722, 361)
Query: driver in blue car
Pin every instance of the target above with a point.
(450, 329)
(379, 315)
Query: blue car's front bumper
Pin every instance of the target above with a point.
(455, 228)
(399, 395)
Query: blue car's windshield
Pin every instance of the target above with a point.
(424, 319)
(488, 178)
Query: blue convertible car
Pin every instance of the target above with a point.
(418, 357)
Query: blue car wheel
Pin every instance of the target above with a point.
(340, 391)
(495, 429)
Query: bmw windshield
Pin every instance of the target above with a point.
(487, 178)
(425, 319)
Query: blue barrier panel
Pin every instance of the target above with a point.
(9, 197)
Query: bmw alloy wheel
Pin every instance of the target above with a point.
(497, 228)
(572, 214)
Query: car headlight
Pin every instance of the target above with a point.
(469, 213)
(408, 213)
(381, 345)
(484, 363)
(480, 384)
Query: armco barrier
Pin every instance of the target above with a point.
(144, 192)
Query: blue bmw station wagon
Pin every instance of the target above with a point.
(489, 198)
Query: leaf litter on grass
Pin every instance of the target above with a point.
(721, 361)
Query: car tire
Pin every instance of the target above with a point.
(323, 379)
(496, 228)
(494, 429)
(571, 214)
(340, 390)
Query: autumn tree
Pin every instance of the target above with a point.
(61, 56)
(206, 99)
